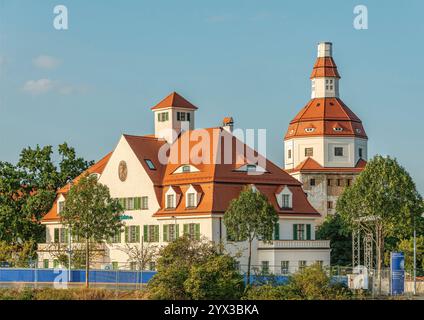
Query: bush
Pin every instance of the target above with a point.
(311, 283)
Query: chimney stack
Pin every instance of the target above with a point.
(325, 49)
(228, 124)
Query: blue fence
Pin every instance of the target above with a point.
(77, 276)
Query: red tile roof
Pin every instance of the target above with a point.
(174, 100)
(324, 115)
(310, 165)
(325, 67)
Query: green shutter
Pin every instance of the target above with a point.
(165, 233)
(122, 203)
(56, 235)
(177, 231)
(157, 233)
(197, 231)
(186, 229)
(294, 231)
(146, 233)
(46, 263)
(137, 234)
(66, 235)
(138, 203)
(127, 233)
(277, 231)
(308, 232)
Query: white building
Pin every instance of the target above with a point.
(188, 196)
(325, 144)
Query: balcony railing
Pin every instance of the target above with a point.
(295, 244)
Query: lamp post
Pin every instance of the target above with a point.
(415, 257)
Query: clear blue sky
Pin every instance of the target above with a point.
(247, 59)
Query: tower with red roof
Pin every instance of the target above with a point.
(325, 144)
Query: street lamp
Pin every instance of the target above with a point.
(415, 256)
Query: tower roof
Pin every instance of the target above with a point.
(174, 100)
(325, 67)
(325, 117)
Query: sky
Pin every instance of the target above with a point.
(247, 59)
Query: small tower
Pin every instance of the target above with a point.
(325, 144)
(173, 115)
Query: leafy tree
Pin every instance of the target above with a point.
(18, 256)
(28, 189)
(180, 264)
(248, 217)
(216, 279)
(384, 201)
(91, 214)
(407, 247)
(334, 229)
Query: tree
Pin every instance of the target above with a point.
(28, 189)
(383, 201)
(142, 256)
(216, 279)
(91, 214)
(248, 217)
(334, 229)
(180, 265)
(18, 256)
(407, 247)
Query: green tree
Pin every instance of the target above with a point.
(28, 189)
(180, 265)
(91, 214)
(407, 247)
(384, 201)
(334, 229)
(216, 279)
(248, 217)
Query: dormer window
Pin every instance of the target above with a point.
(284, 198)
(170, 201)
(310, 130)
(338, 151)
(251, 168)
(186, 169)
(358, 130)
(338, 129)
(191, 200)
(150, 164)
(60, 206)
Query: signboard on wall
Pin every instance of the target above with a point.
(397, 273)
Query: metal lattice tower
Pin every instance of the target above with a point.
(368, 251)
(356, 247)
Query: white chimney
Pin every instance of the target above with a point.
(228, 124)
(325, 49)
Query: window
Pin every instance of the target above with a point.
(170, 232)
(319, 262)
(312, 182)
(339, 182)
(60, 206)
(133, 203)
(60, 235)
(284, 267)
(331, 81)
(302, 264)
(348, 182)
(163, 116)
(329, 204)
(150, 164)
(130, 204)
(186, 169)
(310, 129)
(191, 197)
(151, 233)
(133, 265)
(338, 151)
(183, 116)
(170, 201)
(338, 129)
(301, 232)
(265, 267)
(277, 231)
(192, 230)
(144, 203)
(289, 154)
(326, 81)
(46, 263)
(117, 237)
(309, 152)
(286, 201)
(132, 234)
(329, 182)
(331, 87)
(360, 153)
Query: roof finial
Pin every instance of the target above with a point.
(325, 49)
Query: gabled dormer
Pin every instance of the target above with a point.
(172, 197)
(193, 196)
(284, 197)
